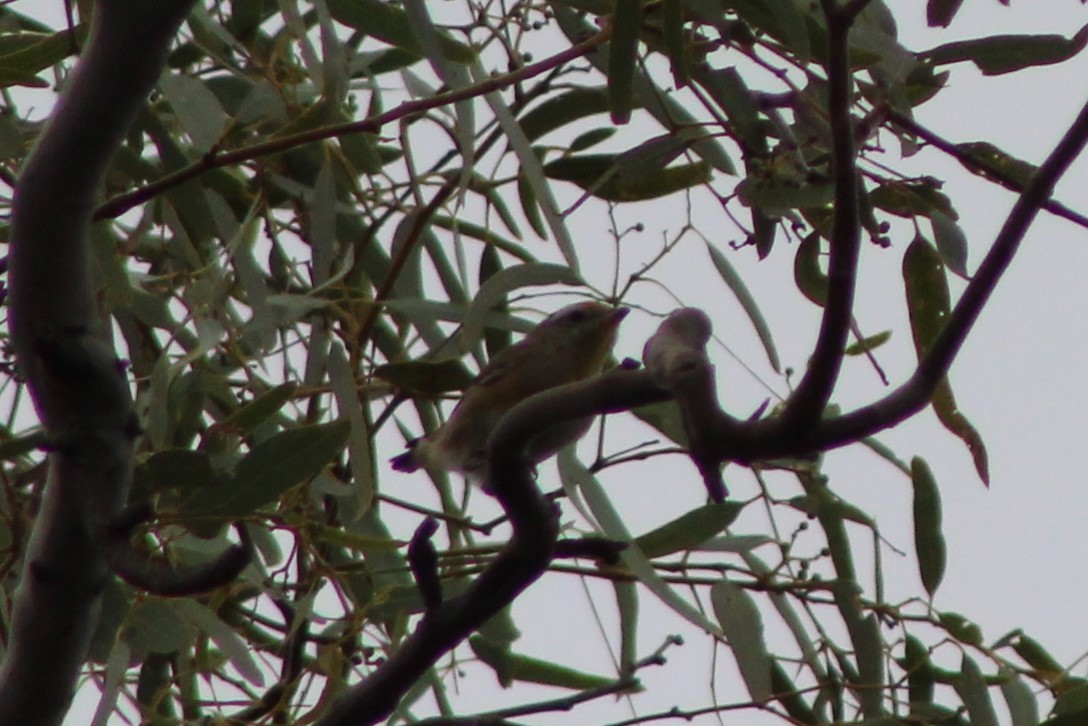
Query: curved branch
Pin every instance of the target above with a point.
(808, 402)
(521, 561)
(75, 380)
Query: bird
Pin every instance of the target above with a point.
(571, 344)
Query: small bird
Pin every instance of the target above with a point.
(569, 345)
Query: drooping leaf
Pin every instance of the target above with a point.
(735, 283)
(1019, 698)
(623, 59)
(920, 673)
(788, 694)
(742, 623)
(928, 303)
(689, 530)
(510, 667)
(579, 478)
(675, 46)
(971, 687)
(807, 273)
(929, 545)
(389, 24)
(666, 418)
(24, 55)
(951, 243)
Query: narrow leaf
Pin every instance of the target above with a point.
(735, 283)
(929, 542)
(971, 687)
(739, 617)
(689, 530)
(623, 58)
(1020, 699)
(510, 666)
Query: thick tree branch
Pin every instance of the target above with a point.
(808, 402)
(76, 382)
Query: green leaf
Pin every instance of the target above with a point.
(928, 299)
(739, 617)
(728, 89)
(807, 273)
(251, 415)
(786, 692)
(689, 530)
(920, 673)
(197, 108)
(598, 174)
(1046, 668)
(271, 468)
(1072, 701)
(389, 24)
(1009, 166)
(510, 667)
(778, 194)
(623, 59)
(971, 686)
(951, 243)
(592, 138)
(562, 109)
(1019, 697)
(998, 54)
(869, 343)
(961, 628)
(426, 377)
(24, 55)
(735, 283)
(929, 543)
(627, 605)
(153, 626)
(928, 303)
(530, 208)
(911, 199)
(675, 47)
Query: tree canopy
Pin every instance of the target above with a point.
(255, 247)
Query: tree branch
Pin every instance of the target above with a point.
(121, 203)
(521, 561)
(808, 402)
(979, 166)
(77, 384)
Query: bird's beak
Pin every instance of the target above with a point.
(618, 315)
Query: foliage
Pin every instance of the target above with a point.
(323, 207)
